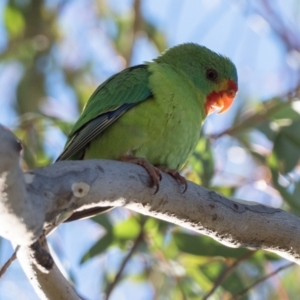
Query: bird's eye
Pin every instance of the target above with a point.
(211, 74)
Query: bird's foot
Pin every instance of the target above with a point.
(176, 175)
(153, 171)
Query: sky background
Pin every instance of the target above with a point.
(234, 28)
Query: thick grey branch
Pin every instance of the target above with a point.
(81, 184)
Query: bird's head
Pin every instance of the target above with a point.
(214, 75)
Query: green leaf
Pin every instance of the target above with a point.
(287, 147)
(289, 193)
(104, 242)
(101, 245)
(205, 246)
(269, 256)
(14, 21)
(104, 221)
(285, 190)
(127, 230)
(202, 162)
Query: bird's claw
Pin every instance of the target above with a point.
(160, 176)
(153, 171)
(176, 175)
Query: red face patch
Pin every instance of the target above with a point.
(221, 100)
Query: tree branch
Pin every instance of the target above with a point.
(137, 241)
(223, 275)
(71, 185)
(48, 286)
(43, 198)
(7, 264)
(246, 290)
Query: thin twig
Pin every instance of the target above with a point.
(246, 290)
(4, 268)
(138, 239)
(277, 284)
(227, 272)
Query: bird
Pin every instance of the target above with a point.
(151, 114)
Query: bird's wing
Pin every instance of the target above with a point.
(110, 100)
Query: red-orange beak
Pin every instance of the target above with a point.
(221, 100)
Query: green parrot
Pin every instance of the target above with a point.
(151, 114)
